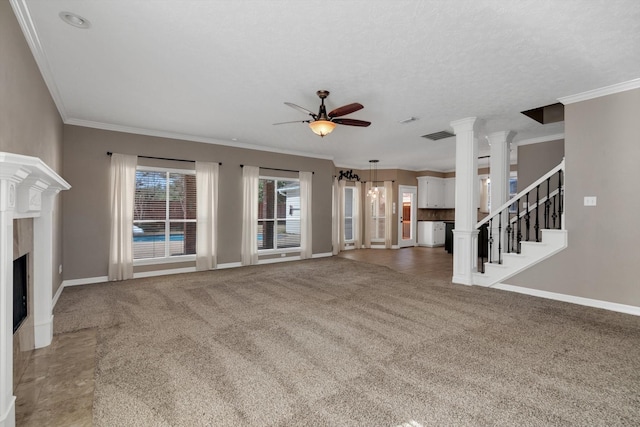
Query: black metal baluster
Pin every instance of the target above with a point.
(519, 236)
(554, 215)
(500, 238)
(527, 220)
(490, 255)
(537, 224)
(547, 205)
(509, 231)
(560, 198)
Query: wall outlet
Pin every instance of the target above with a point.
(283, 255)
(60, 269)
(590, 200)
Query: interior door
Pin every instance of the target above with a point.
(407, 209)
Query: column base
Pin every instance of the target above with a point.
(465, 256)
(43, 333)
(9, 416)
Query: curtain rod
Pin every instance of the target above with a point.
(277, 169)
(164, 158)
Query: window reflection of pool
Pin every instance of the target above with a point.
(158, 238)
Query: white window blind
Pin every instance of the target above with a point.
(164, 220)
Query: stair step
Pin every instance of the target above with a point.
(531, 253)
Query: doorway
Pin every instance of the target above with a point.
(408, 224)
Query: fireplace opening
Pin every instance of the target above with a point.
(19, 291)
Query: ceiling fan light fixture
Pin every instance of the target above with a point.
(322, 127)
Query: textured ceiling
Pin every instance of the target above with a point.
(219, 71)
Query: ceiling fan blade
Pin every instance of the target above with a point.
(299, 108)
(352, 122)
(295, 121)
(346, 109)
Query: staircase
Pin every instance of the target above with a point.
(511, 240)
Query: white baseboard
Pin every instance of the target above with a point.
(276, 260)
(163, 272)
(103, 279)
(612, 306)
(322, 255)
(57, 295)
(85, 281)
(228, 265)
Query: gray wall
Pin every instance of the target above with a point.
(602, 145)
(534, 160)
(29, 121)
(86, 168)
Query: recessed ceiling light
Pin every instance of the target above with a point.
(75, 20)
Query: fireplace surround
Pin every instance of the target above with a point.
(28, 188)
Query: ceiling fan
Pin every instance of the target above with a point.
(322, 123)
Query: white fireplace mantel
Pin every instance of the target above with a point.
(27, 190)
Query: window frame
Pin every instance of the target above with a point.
(344, 213)
(276, 250)
(166, 259)
(375, 218)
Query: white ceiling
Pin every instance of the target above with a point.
(219, 71)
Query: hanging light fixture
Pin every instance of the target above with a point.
(322, 127)
(373, 177)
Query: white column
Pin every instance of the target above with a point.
(43, 271)
(500, 143)
(7, 206)
(465, 235)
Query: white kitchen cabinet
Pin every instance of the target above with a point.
(430, 192)
(449, 193)
(431, 233)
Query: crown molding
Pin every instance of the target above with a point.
(539, 139)
(188, 137)
(597, 93)
(21, 10)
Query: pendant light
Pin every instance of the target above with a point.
(373, 178)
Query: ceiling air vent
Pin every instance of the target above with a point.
(438, 135)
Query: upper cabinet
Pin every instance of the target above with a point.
(436, 193)
(449, 193)
(430, 192)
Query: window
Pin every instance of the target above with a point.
(485, 193)
(278, 213)
(164, 219)
(377, 199)
(349, 205)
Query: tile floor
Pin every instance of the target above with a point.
(57, 386)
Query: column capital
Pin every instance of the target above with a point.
(503, 135)
(469, 124)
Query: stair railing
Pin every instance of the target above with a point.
(510, 232)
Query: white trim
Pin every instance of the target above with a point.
(8, 419)
(54, 301)
(43, 333)
(554, 137)
(188, 137)
(280, 259)
(603, 91)
(21, 11)
(606, 305)
(163, 272)
(85, 281)
(228, 265)
(322, 255)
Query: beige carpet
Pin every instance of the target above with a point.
(335, 342)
